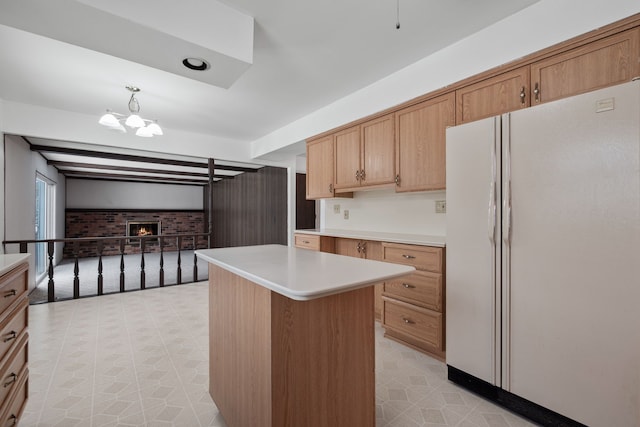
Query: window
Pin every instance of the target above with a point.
(44, 229)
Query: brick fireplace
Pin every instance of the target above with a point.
(113, 223)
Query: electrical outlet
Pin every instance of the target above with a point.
(346, 214)
(336, 208)
(441, 206)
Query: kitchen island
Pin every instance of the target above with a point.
(291, 338)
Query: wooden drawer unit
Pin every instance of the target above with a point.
(12, 411)
(14, 339)
(13, 326)
(314, 242)
(413, 311)
(421, 257)
(413, 322)
(422, 288)
(307, 241)
(13, 368)
(13, 286)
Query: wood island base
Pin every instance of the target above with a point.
(276, 361)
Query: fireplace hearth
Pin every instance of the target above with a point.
(143, 228)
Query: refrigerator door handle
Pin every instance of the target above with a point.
(506, 205)
(492, 196)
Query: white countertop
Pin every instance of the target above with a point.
(411, 239)
(9, 261)
(301, 274)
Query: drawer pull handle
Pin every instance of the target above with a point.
(11, 293)
(12, 336)
(306, 242)
(13, 378)
(408, 321)
(408, 286)
(13, 419)
(408, 256)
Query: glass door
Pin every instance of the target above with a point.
(43, 222)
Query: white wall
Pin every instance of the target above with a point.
(386, 211)
(93, 194)
(21, 166)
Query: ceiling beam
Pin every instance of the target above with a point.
(124, 177)
(135, 158)
(61, 165)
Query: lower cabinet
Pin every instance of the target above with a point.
(14, 372)
(410, 308)
(363, 249)
(413, 306)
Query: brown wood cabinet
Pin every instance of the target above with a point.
(420, 144)
(314, 242)
(596, 65)
(413, 306)
(493, 96)
(601, 58)
(320, 168)
(363, 249)
(14, 345)
(365, 155)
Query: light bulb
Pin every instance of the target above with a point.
(155, 129)
(109, 120)
(144, 132)
(134, 121)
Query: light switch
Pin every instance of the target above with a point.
(336, 208)
(346, 214)
(441, 206)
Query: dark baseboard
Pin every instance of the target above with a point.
(534, 412)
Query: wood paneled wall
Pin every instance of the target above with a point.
(251, 209)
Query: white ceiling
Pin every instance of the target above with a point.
(306, 54)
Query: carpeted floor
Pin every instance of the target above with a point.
(88, 274)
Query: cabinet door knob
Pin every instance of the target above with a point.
(522, 95)
(536, 92)
(330, 188)
(407, 320)
(397, 180)
(408, 286)
(362, 175)
(357, 175)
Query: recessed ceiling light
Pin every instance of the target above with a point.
(195, 64)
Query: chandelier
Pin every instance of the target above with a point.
(145, 128)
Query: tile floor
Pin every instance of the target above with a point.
(141, 359)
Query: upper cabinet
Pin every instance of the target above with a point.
(347, 149)
(596, 65)
(365, 155)
(496, 95)
(420, 144)
(407, 145)
(320, 164)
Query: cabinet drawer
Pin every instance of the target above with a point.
(422, 288)
(421, 257)
(14, 284)
(13, 370)
(420, 323)
(12, 328)
(17, 401)
(307, 241)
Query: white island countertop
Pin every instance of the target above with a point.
(381, 236)
(9, 261)
(301, 274)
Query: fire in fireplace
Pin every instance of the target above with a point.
(143, 228)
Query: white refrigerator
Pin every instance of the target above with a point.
(543, 258)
